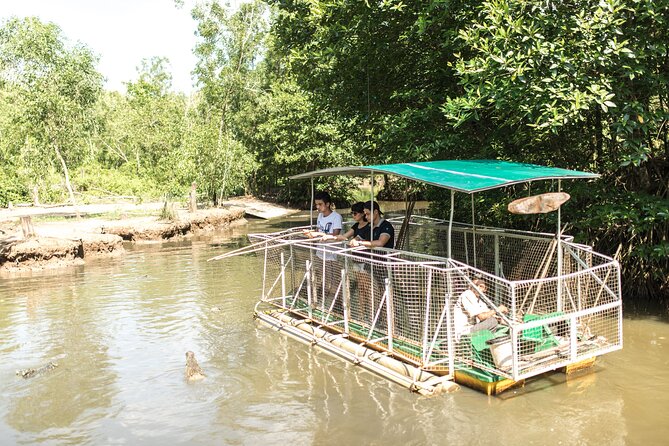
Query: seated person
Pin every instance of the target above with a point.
(471, 314)
(383, 233)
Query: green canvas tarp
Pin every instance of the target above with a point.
(460, 175)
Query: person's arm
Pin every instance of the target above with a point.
(346, 236)
(337, 224)
(490, 313)
(313, 234)
(485, 315)
(380, 243)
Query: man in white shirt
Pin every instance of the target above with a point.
(329, 222)
(471, 314)
(329, 225)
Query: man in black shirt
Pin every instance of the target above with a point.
(383, 234)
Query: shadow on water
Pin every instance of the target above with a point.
(636, 308)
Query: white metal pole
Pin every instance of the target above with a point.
(449, 327)
(559, 254)
(473, 230)
(309, 290)
(573, 344)
(371, 234)
(450, 223)
(264, 272)
(345, 298)
(513, 301)
(371, 223)
(514, 353)
(620, 306)
(283, 280)
(390, 309)
(497, 266)
(323, 276)
(426, 322)
(311, 205)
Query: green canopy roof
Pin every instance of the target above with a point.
(460, 175)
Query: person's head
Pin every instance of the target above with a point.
(480, 285)
(323, 202)
(367, 209)
(357, 211)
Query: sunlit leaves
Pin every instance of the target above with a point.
(52, 87)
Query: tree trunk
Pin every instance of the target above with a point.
(192, 198)
(27, 227)
(35, 196)
(66, 172)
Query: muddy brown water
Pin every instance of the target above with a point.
(119, 330)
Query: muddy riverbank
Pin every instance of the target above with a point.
(59, 241)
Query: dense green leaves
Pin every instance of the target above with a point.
(53, 88)
(580, 84)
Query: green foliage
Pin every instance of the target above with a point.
(639, 224)
(53, 88)
(227, 52)
(154, 126)
(380, 67)
(221, 164)
(290, 136)
(11, 188)
(580, 84)
(97, 181)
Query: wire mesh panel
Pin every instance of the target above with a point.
(396, 301)
(550, 322)
(509, 254)
(542, 303)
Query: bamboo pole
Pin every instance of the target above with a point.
(545, 263)
(412, 377)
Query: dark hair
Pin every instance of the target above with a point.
(479, 282)
(322, 195)
(357, 207)
(368, 205)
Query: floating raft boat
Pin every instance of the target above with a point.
(394, 311)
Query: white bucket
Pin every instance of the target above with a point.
(502, 353)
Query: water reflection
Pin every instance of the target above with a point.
(119, 330)
(80, 390)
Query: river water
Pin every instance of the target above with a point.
(119, 329)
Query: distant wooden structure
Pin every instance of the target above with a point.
(260, 209)
(27, 227)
